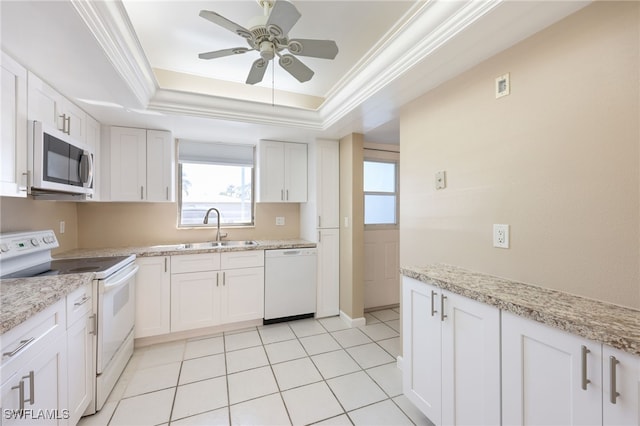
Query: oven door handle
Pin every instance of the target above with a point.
(108, 285)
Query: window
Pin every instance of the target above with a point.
(380, 192)
(215, 175)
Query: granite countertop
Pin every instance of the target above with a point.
(174, 249)
(613, 325)
(21, 298)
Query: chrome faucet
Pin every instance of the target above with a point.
(206, 221)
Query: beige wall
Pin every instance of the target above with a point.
(352, 235)
(558, 160)
(22, 214)
(132, 224)
(97, 225)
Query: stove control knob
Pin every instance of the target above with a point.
(48, 239)
(4, 248)
(34, 242)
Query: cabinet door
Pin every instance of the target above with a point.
(160, 166)
(295, 172)
(542, 375)
(470, 361)
(76, 120)
(621, 405)
(153, 296)
(328, 184)
(44, 103)
(128, 162)
(270, 171)
(242, 296)
(422, 347)
(13, 174)
(80, 374)
(195, 300)
(328, 290)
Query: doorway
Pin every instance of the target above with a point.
(381, 223)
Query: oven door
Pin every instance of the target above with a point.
(116, 313)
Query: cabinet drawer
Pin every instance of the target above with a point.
(21, 343)
(242, 259)
(79, 303)
(195, 263)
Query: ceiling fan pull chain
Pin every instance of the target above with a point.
(273, 82)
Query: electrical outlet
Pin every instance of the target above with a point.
(280, 220)
(441, 180)
(501, 236)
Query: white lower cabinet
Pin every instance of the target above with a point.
(34, 370)
(216, 288)
(621, 386)
(554, 377)
(328, 289)
(153, 296)
(451, 351)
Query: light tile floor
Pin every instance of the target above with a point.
(300, 372)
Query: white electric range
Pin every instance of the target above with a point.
(28, 254)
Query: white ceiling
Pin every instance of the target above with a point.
(135, 63)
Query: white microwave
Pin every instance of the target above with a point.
(60, 163)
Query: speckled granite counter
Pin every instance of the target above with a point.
(174, 249)
(21, 298)
(610, 324)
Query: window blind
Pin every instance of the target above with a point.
(225, 154)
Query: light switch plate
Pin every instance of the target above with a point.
(441, 180)
(503, 86)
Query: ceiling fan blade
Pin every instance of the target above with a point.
(257, 71)
(326, 49)
(225, 23)
(293, 66)
(224, 52)
(282, 18)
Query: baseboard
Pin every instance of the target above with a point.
(353, 322)
(399, 362)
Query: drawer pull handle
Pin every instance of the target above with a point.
(442, 314)
(20, 388)
(613, 393)
(583, 355)
(23, 343)
(82, 301)
(32, 390)
(433, 297)
(94, 324)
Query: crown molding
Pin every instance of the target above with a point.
(198, 105)
(428, 28)
(110, 25)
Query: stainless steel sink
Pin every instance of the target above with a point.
(246, 243)
(207, 245)
(197, 246)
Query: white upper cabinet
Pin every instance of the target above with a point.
(282, 172)
(328, 183)
(138, 165)
(45, 104)
(13, 174)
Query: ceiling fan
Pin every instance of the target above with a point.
(268, 34)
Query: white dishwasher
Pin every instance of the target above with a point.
(289, 284)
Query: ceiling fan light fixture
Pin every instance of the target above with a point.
(267, 50)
